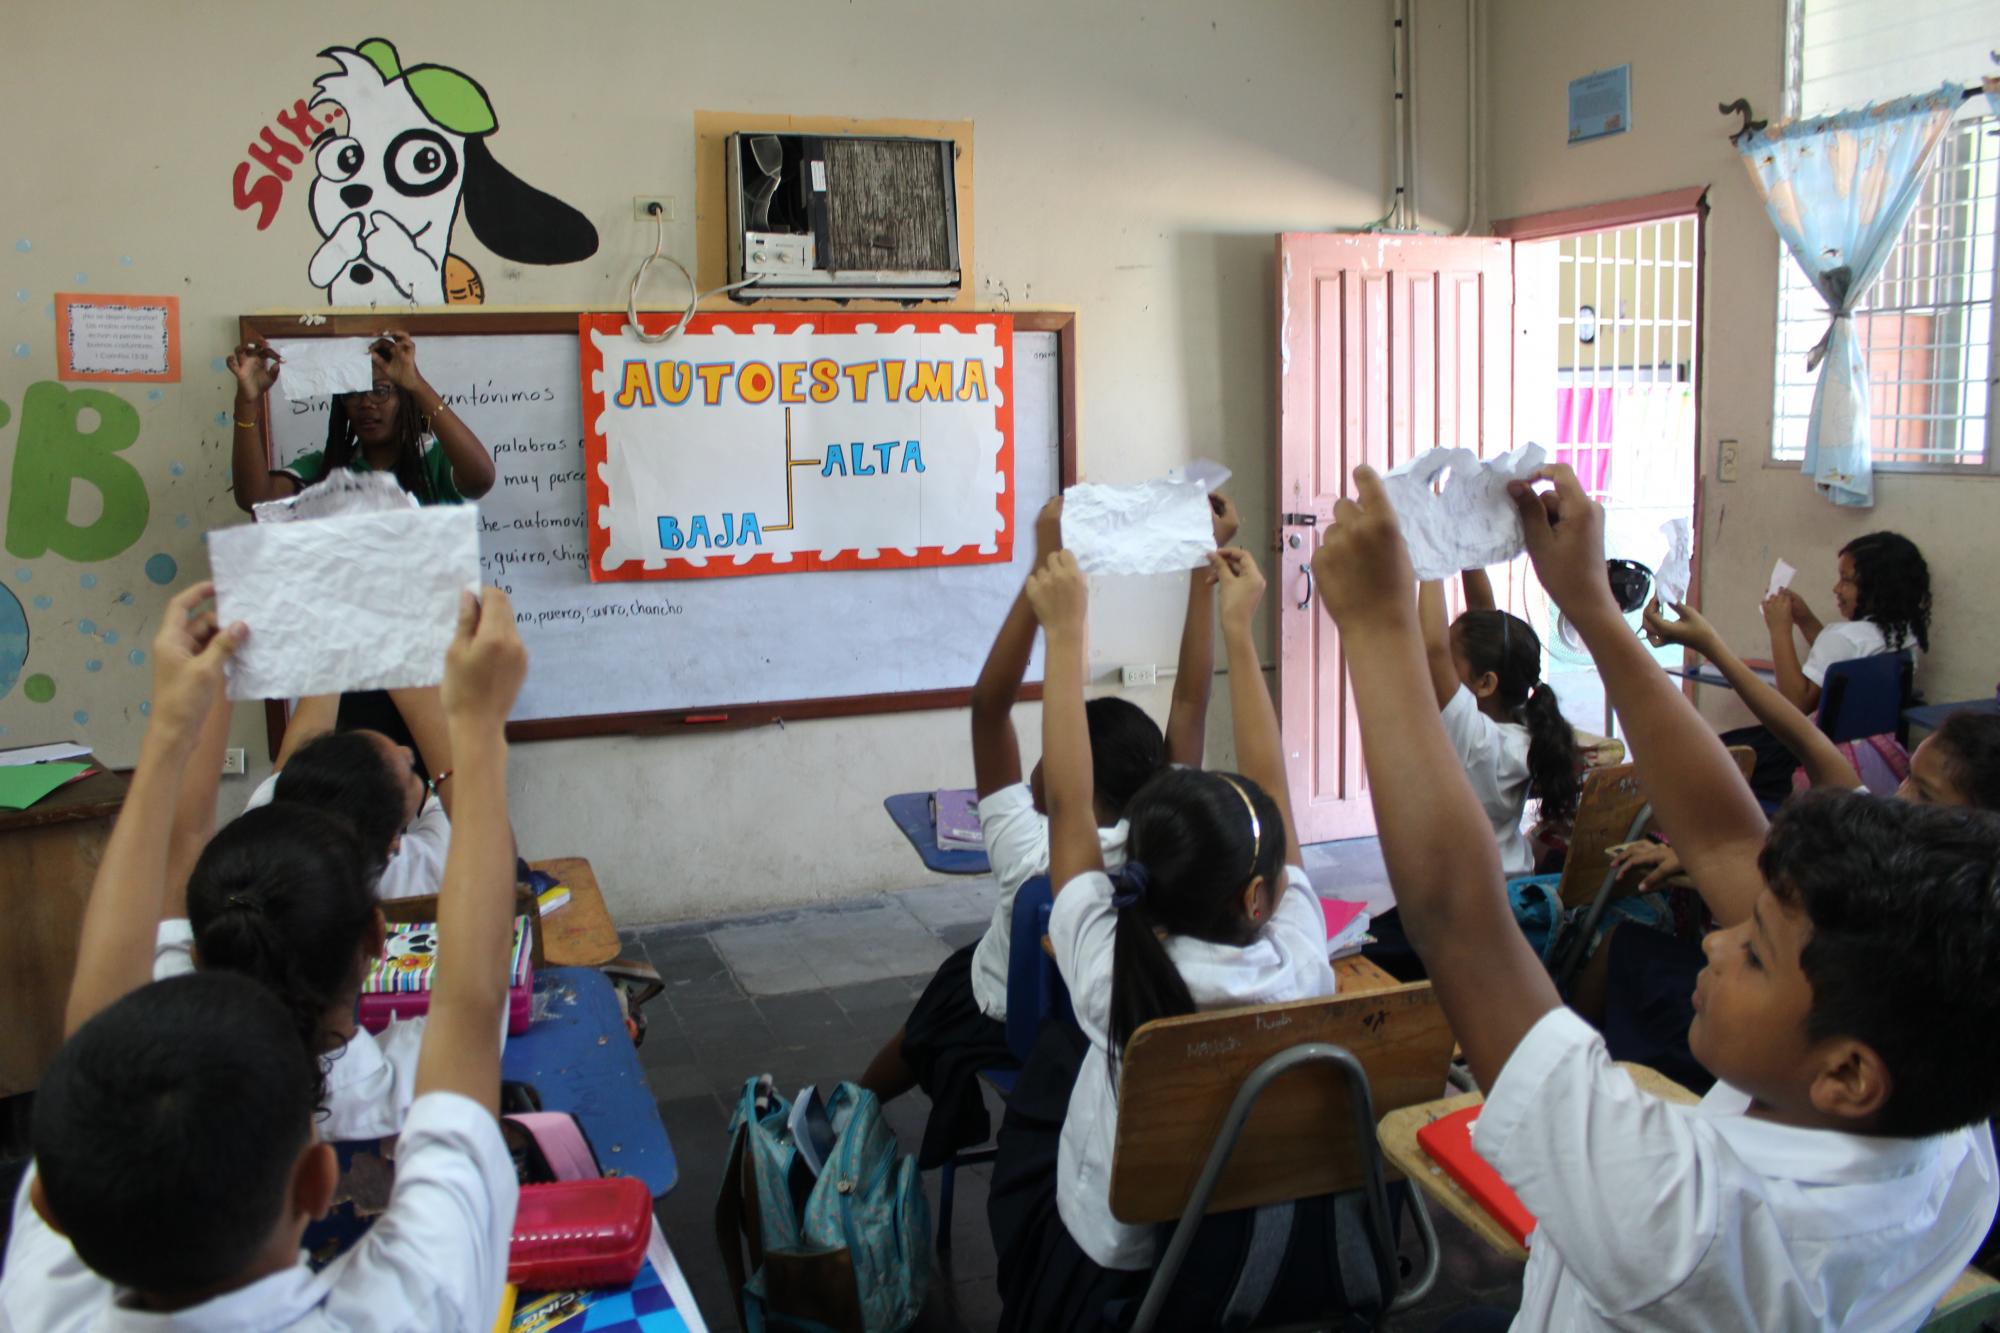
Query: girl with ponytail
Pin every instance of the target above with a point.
(1210, 910)
(1501, 716)
(285, 895)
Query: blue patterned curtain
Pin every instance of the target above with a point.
(1839, 188)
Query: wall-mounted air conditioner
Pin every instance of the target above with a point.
(855, 215)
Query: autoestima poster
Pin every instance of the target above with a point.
(789, 443)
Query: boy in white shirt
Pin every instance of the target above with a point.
(175, 1162)
(1840, 1174)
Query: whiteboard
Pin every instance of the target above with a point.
(603, 650)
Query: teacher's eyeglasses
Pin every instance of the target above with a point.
(380, 393)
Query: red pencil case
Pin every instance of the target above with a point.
(580, 1233)
(374, 1011)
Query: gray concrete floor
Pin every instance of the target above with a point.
(809, 996)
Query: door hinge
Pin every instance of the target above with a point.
(1300, 520)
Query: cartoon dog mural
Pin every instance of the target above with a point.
(390, 182)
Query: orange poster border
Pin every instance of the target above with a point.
(723, 564)
(66, 368)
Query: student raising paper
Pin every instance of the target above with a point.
(176, 1165)
(1840, 1174)
(1209, 910)
(957, 1027)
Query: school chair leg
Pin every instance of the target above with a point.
(947, 1188)
(1426, 1276)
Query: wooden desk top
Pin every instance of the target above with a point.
(1398, 1136)
(98, 796)
(1357, 976)
(581, 933)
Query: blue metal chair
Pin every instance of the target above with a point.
(1866, 696)
(1035, 992)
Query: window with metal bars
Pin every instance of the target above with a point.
(1925, 326)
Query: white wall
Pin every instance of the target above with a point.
(1685, 58)
(1133, 162)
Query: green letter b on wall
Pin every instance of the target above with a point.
(52, 454)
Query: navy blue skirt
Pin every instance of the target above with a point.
(947, 1041)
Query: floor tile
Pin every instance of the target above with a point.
(954, 903)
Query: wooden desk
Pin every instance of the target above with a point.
(48, 858)
(579, 934)
(1398, 1136)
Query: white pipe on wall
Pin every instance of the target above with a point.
(1474, 16)
(1399, 110)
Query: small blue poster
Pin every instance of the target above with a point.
(1600, 104)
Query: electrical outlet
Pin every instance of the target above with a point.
(1725, 460)
(1148, 674)
(642, 206)
(232, 761)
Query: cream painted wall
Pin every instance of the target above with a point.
(1685, 58)
(1133, 162)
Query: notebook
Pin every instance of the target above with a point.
(1346, 927)
(955, 814)
(398, 984)
(1448, 1142)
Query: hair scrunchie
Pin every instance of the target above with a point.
(1132, 883)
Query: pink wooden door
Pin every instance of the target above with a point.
(1388, 345)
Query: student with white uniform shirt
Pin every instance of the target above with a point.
(1840, 1174)
(1210, 910)
(1882, 589)
(957, 1027)
(175, 1162)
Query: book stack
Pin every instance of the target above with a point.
(955, 815)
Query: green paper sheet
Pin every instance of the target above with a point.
(21, 785)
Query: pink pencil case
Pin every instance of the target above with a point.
(580, 1233)
(374, 1011)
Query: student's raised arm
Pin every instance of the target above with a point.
(996, 750)
(483, 672)
(314, 717)
(1801, 693)
(1700, 799)
(472, 471)
(115, 954)
(1444, 864)
(1478, 589)
(255, 367)
(1260, 750)
(1825, 765)
(1443, 672)
(1060, 598)
(1194, 672)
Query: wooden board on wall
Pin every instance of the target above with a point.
(614, 658)
(711, 250)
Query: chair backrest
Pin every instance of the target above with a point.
(1180, 1075)
(1611, 800)
(1865, 696)
(1034, 987)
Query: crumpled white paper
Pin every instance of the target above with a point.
(1473, 523)
(345, 492)
(1151, 527)
(1670, 580)
(1782, 575)
(357, 602)
(314, 367)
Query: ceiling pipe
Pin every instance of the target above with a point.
(1474, 16)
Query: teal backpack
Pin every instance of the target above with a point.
(832, 1214)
